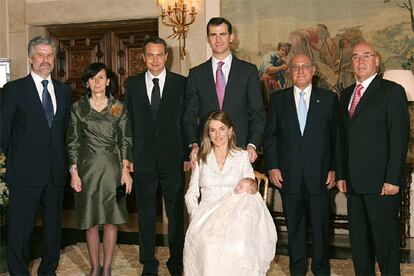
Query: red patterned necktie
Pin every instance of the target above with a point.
(220, 84)
(355, 100)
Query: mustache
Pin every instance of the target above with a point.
(45, 64)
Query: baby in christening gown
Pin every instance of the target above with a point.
(233, 236)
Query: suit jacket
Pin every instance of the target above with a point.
(243, 101)
(214, 183)
(372, 146)
(157, 143)
(35, 153)
(301, 159)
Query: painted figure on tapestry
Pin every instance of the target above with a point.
(273, 68)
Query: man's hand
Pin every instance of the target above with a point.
(389, 189)
(341, 184)
(186, 166)
(252, 153)
(193, 155)
(276, 177)
(330, 180)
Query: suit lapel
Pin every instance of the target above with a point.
(293, 110)
(209, 83)
(346, 95)
(59, 101)
(212, 162)
(314, 109)
(166, 91)
(34, 99)
(232, 79)
(365, 99)
(142, 91)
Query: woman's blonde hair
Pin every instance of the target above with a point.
(206, 144)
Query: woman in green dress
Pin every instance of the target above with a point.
(99, 147)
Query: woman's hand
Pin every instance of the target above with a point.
(75, 181)
(126, 179)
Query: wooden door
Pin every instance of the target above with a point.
(117, 44)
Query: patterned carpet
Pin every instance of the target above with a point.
(74, 261)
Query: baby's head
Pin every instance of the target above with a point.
(246, 185)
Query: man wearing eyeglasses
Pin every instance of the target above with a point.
(299, 154)
(372, 145)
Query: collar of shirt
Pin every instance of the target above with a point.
(39, 87)
(150, 85)
(307, 90)
(226, 66)
(365, 84)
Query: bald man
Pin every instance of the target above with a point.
(298, 149)
(372, 148)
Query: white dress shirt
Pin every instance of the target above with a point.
(307, 90)
(214, 183)
(149, 84)
(225, 68)
(365, 85)
(39, 86)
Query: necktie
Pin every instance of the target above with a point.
(47, 103)
(355, 100)
(302, 112)
(155, 97)
(220, 84)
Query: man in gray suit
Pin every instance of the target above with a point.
(226, 83)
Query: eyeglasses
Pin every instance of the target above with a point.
(304, 67)
(363, 57)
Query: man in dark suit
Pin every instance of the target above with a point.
(34, 117)
(155, 101)
(299, 154)
(226, 83)
(372, 147)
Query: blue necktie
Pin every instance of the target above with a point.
(47, 103)
(302, 112)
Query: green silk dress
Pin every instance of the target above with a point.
(98, 142)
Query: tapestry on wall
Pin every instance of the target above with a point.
(268, 32)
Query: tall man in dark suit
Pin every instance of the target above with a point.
(372, 147)
(34, 117)
(299, 154)
(226, 83)
(155, 101)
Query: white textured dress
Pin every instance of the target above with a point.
(229, 234)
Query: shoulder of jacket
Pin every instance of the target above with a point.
(177, 76)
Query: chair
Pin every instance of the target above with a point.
(262, 179)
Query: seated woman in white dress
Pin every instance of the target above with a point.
(231, 231)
